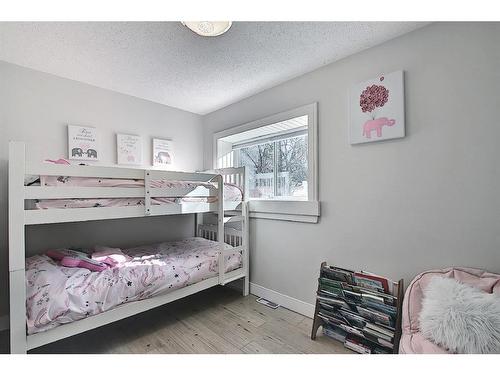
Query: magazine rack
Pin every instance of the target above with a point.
(368, 340)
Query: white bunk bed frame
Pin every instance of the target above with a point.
(19, 218)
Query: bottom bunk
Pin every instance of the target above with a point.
(63, 301)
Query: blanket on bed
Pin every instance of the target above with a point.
(56, 295)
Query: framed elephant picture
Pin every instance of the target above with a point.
(162, 152)
(377, 109)
(129, 149)
(82, 143)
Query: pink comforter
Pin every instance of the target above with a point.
(56, 295)
(231, 192)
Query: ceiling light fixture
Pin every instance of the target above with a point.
(208, 28)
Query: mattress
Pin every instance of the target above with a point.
(58, 295)
(231, 192)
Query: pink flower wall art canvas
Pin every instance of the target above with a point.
(377, 109)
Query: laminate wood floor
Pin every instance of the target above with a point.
(218, 320)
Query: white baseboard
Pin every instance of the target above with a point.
(4, 323)
(288, 302)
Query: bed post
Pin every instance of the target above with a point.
(17, 287)
(220, 227)
(246, 244)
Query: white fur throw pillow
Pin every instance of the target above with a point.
(460, 318)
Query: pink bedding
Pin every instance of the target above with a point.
(116, 182)
(43, 204)
(57, 295)
(231, 192)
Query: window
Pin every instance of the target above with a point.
(279, 153)
(276, 169)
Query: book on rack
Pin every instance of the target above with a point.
(335, 332)
(389, 332)
(332, 292)
(339, 274)
(332, 317)
(374, 315)
(357, 345)
(336, 287)
(378, 338)
(352, 330)
(352, 318)
(382, 307)
(376, 282)
(332, 301)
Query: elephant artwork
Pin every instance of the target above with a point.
(91, 153)
(129, 149)
(377, 109)
(163, 157)
(83, 143)
(77, 151)
(163, 154)
(377, 125)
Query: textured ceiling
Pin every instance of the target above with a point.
(167, 63)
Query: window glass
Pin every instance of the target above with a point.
(292, 168)
(259, 163)
(275, 156)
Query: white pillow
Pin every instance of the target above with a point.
(460, 318)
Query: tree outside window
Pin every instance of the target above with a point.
(277, 169)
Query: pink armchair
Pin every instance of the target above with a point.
(412, 341)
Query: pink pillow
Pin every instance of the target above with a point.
(58, 254)
(79, 262)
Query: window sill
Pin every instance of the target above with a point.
(299, 211)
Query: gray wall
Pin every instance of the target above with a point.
(398, 207)
(36, 107)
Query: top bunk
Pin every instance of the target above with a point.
(54, 193)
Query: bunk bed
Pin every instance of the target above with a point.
(69, 193)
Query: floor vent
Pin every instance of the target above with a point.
(267, 303)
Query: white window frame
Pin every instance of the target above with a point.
(290, 210)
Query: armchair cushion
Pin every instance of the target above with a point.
(460, 317)
(412, 341)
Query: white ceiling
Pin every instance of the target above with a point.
(167, 63)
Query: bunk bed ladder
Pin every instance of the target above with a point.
(147, 193)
